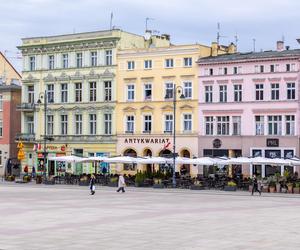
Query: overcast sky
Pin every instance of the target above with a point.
(187, 21)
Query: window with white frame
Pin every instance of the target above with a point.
(236, 125)
(169, 63)
(130, 65)
(209, 125)
(94, 58)
(129, 124)
(50, 93)
(65, 61)
(51, 62)
(290, 125)
(223, 125)
(78, 92)
(1, 102)
(223, 93)
(79, 60)
(187, 90)
(169, 90)
(107, 124)
(187, 62)
(148, 64)
(148, 91)
(1, 127)
(107, 91)
(259, 125)
(147, 124)
(64, 124)
(261, 68)
(274, 91)
(237, 93)
(78, 124)
(32, 63)
(187, 122)
(30, 124)
(93, 124)
(64, 92)
(30, 90)
(274, 125)
(208, 93)
(50, 120)
(168, 123)
(108, 57)
(259, 92)
(130, 92)
(93, 91)
(291, 91)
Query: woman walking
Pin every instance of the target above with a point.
(255, 185)
(121, 183)
(92, 184)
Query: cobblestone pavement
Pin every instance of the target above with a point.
(66, 217)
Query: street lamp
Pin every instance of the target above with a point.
(176, 90)
(43, 95)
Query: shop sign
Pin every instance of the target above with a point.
(272, 154)
(217, 143)
(147, 140)
(256, 153)
(272, 142)
(288, 153)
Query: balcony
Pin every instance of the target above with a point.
(84, 138)
(26, 107)
(25, 137)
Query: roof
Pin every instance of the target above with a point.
(250, 56)
(1, 54)
(10, 87)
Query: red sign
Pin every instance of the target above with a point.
(63, 148)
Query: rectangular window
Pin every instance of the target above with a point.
(148, 91)
(236, 125)
(168, 123)
(93, 124)
(107, 124)
(78, 124)
(49, 124)
(31, 94)
(225, 71)
(293, 67)
(147, 124)
(30, 125)
(291, 90)
(259, 125)
(261, 68)
(50, 93)
(79, 60)
(51, 62)
(169, 63)
(288, 67)
(93, 91)
(187, 122)
(274, 125)
(169, 90)
(211, 71)
(274, 91)
(64, 124)
(130, 65)
(209, 93)
(1, 102)
(209, 125)
(32, 63)
(129, 124)
(187, 62)
(223, 125)
(93, 58)
(107, 91)
(78, 92)
(187, 90)
(272, 68)
(223, 93)
(1, 128)
(130, 92)
(108, 57)
(259, 92)
(148, 64)
(238, 93)
(65, 61)
(235, 70)
(290, 125)
(64, 92)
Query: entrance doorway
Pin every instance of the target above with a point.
(149, 167)
(51, 168)
(185, 168)
(132, 166)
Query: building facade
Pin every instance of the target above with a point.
(249, 106)
(76, 75)
(10, 119)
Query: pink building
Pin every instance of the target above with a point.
(249, 106)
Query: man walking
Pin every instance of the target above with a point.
(255, 185)
(121, 184)
(92, 184)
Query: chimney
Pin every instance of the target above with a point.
(231, 48)
(214, 49)
(280, 46)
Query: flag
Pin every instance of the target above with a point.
(167, 145)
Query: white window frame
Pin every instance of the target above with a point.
(65, 61)
(274, 124)
(148, 64)
(94, 58)
(169, 90)
(32, 65)
(79, 60)
(78, 92)
(107, 90)
(187, 62)
(108, 57)
(275, 90)
(223, 93)
(107, 123)
(147, 87)
(168, 123)
(50, 124)
(50, 93)
(92, 124)
(290, 91)
(187, 120)
(129, 124)
(236, 125)
(290, 125)
(169, 63)
(78, 124)
(223, 125)
(208, 92)
(209, 125)
(64, 92)
(188, 89)
(51, 59)
(147, 121)
(64, 124)
(130, 92)
(259, 124)
(130, 65)
(93, 91)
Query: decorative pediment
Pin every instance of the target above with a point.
(92, 75)
(186, 107)
(29, 78)
(237, 80)
(108, 74)
(275, 79)
(63, 77)
(222, 81)
(77, 76)
(259, 79)
(167, 107)
(61, 109)
(91, 109)
(76, 109)
(287, 79)
(129, 109)
(107, 108)
(49, 78)
(146, 108)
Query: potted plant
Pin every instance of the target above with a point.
(296, 189)
(277, 180)
(113, 182)
(139, 179)
(290, 186)
(272, 186)
(26, 178)
(231, 186)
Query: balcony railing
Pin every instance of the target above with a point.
(29, 107)
(25, 137)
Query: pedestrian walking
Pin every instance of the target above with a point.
(121, 184)
(92, 184)
(255, 185)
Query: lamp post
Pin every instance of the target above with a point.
(43, 95)
(176, 89)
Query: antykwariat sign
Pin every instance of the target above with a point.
(147, 140)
